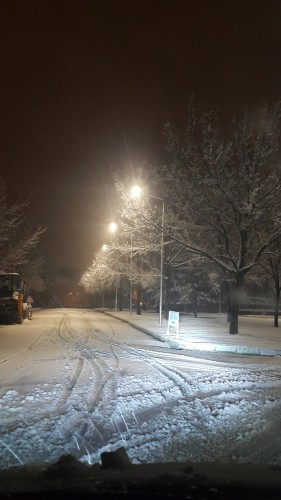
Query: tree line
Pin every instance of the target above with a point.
(221, 188)
(19, 242)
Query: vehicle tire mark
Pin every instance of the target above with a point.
(60, 406)
(34, 343)
(104, 376)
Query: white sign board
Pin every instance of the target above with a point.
(174, 321)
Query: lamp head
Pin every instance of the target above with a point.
(136, 191)
(112, 227)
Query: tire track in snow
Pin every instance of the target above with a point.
(66, 427)
(176, 376)
(237, 376)
(98, 364)
(240, 378)
(99, 390)
(34, 344)
(69, 386)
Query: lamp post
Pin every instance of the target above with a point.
(136, 193)
(113, 229)
(131, 285)
(104, 249)
(161, 265)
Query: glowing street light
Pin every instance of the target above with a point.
(136, 193)
(113, 227)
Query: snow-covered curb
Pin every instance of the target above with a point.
(172, 341)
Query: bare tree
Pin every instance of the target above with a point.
(226, 192)
(270, 265)
(16, 241)
(124, 261)
(139, 222)
(220, 193)
(101, 274)
(33, 271)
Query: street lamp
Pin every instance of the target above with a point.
(131, 284)
(104, 248)
(136, 193)
(113, 228)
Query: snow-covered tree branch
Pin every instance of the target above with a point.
(16, 241)
(221, 191)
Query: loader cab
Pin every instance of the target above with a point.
(12, 290)
(6, 285)
(10, 283)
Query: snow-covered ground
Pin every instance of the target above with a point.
(79, 382)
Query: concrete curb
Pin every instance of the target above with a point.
(179, 344)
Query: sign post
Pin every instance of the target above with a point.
(174, 321)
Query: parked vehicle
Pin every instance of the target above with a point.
(14, 305)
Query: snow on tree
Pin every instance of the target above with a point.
(200, 284)
(270, 266)
(138, 223)
(101, 274)
(16, 242)
(221, 190)
(120, 264)
(225, 192)
(139, 250)
(33, 271)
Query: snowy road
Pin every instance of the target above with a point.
(79, 382)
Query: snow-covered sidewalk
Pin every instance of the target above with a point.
(209, 332)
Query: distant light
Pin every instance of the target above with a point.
(113, 227)
(136, 191)
(104, 248)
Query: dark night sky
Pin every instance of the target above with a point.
(88, 85)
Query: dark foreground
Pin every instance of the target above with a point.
(116, 478)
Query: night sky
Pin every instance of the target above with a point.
(87, 86)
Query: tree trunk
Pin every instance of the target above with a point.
(120, 302)
(166, 294)
(233, 325)
(138, 298)
(276, 310)
(228, 299)
(235, 301)
(144, 303)
(195, 308)
(228, 316)
(120, 296)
